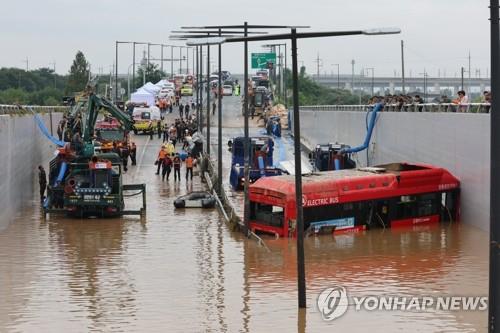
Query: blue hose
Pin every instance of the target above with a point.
(261, 166)
(62, 171)
(337, 164)
(369, 132)
(45, 131)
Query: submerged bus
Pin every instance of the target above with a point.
(390, 195)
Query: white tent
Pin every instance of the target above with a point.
(151, 88)
(162, 83)
(143, 96)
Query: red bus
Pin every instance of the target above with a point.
(390, 195)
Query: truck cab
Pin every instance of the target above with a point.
(260, 160)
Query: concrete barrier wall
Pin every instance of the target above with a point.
(456, 141)
(22, 148)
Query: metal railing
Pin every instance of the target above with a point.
(426, 107)
(20, 109)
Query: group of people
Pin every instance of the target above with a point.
(169, 159)
(459, 104)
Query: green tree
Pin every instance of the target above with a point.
(312, 93)
(153, 74)
(78, 74)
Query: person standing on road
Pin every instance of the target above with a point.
(60, 128)
(181, 110)
(124, 154)
(165, 133)
(159, 128)
(42, 181)
(159, 161)
(133, 153)
(213, 107)
(186, 111)
(189, 166)
(173, 134)
(177, 167)
(166, 168)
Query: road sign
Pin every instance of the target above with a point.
(261, 60)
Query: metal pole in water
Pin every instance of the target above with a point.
(116, 72)
(402, 67)
(246, 144)
(494, 290)
(208, 100)
(219, 117)
(301, 278)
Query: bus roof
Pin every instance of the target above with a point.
(359, 184)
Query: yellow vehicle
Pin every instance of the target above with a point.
(187, 90)
(145, 119)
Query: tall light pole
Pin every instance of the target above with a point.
(402, 67)
(352, 84)
(494, 269)
(338, 75)
(55, 75)
(296, 127)
(246, 145)
(373, 83)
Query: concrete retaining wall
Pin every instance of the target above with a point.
(456, 141)
(22, 148)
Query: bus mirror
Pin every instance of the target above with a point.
(230, 144)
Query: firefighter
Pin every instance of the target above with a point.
(189, 166)
(177, 167)
(42, 180)
(133, 153)
(166, 168)
(159, 160)
(159, 128)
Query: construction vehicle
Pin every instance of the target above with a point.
(85, 180)
(331, 156)
(260, 160)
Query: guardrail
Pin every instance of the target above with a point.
(19, 109)
(426, 107)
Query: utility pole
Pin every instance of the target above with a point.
(494, 270)
(318, 62)
(27, 64)
(462, 78)
(402, 67)
(352, 83)
(55, 75)
(468, 83)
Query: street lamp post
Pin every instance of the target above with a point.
(296, 126)
(372, 83)
(338, 75)
(494, 269)
(219, 118)
(128, 78)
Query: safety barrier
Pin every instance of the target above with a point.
(426, 107)
(20, 109)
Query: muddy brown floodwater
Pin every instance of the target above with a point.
(184, 271)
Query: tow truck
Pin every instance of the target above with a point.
(261, 160)
(83, 179)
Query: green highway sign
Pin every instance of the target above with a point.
(260, 60)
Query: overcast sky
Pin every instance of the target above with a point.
(438, 34)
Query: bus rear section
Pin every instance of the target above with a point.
(388, 196)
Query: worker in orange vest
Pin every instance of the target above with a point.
(189, 166)
(159, 160)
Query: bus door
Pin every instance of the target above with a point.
(449, 206)
(381, 215)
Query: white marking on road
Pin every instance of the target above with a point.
(142, 158)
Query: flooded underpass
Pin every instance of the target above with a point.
(185, 271)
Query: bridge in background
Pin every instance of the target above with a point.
(392, 85)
